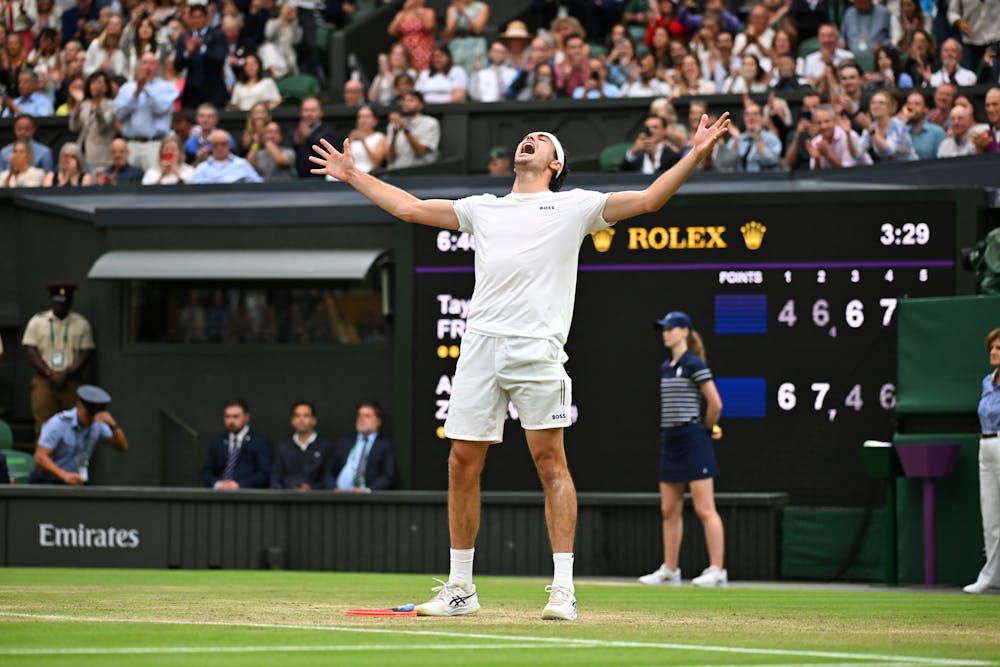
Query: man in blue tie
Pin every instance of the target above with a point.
(239, 458)
(364, 462)
(202, 51)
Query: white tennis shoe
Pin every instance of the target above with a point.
(664, 576)
(562, 604)
(711, 576)
(977, 587)
(451, 600)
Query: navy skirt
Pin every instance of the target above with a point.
(686, 454)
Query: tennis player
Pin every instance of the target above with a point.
(527, 244)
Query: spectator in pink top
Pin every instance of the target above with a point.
(833, 146)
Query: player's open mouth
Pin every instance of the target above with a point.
(528, 149)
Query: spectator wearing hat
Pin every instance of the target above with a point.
(68, 439)
(687, 458)
(498, 162)
(516, 37)
(239, 458)
(59, 344)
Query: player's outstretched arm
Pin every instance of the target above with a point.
(621, 205)
(397, 202)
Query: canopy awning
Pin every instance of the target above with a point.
(234, 264)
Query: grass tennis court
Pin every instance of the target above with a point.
(101, 617)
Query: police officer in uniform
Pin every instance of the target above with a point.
(59, 344)
(69, 438)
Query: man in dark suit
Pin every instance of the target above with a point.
(650, 153)
(239, 458)
(303, 462)
(308, 133)
(202, 51)
(364, 461)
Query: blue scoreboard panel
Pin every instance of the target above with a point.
(796, 302)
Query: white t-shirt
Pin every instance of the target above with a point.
(437, 89)
(527, 250)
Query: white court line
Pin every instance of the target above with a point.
(561, 641)
(130, 650)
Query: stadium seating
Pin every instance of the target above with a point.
(610, 159)
(297, 87)
(808, 46)
(19, 464)
(6, 436)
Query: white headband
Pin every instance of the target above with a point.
(560, 155)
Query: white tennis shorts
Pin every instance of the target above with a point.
(491, 372)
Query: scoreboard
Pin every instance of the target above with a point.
(795, 296)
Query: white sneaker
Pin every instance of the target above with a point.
(662, 577)
(711, 576)
(977, 587)
(451, 600)
(562, 604)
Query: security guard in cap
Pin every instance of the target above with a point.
(69, 438)
(59, 344)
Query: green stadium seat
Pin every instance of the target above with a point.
(324, 35)
(637, 33)
(867, 60)
(19, 465)
(6, 436)
(597, 50)
(297, 87)
(611, 157)
(808, 46)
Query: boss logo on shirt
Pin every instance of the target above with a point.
(546, 208)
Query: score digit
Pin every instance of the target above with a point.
(787, 313)
(786, 396)
(821, 389)
(887, 396)
(821, 313)
(890, 307)
(855, 314)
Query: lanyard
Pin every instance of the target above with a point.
(52, 334)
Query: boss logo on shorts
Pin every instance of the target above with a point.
(561, 415)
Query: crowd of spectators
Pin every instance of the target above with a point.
(130, 74)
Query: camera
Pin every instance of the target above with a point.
(805, 114)
(595, 76)
(645, 132)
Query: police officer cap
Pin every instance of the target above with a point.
(674, 318)
(94, 398)
(61, 291)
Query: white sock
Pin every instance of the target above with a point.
(563, 570)
(461, 566)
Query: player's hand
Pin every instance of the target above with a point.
(331, 161)
(707, 135)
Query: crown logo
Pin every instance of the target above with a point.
(753, 234)
(602, 239)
